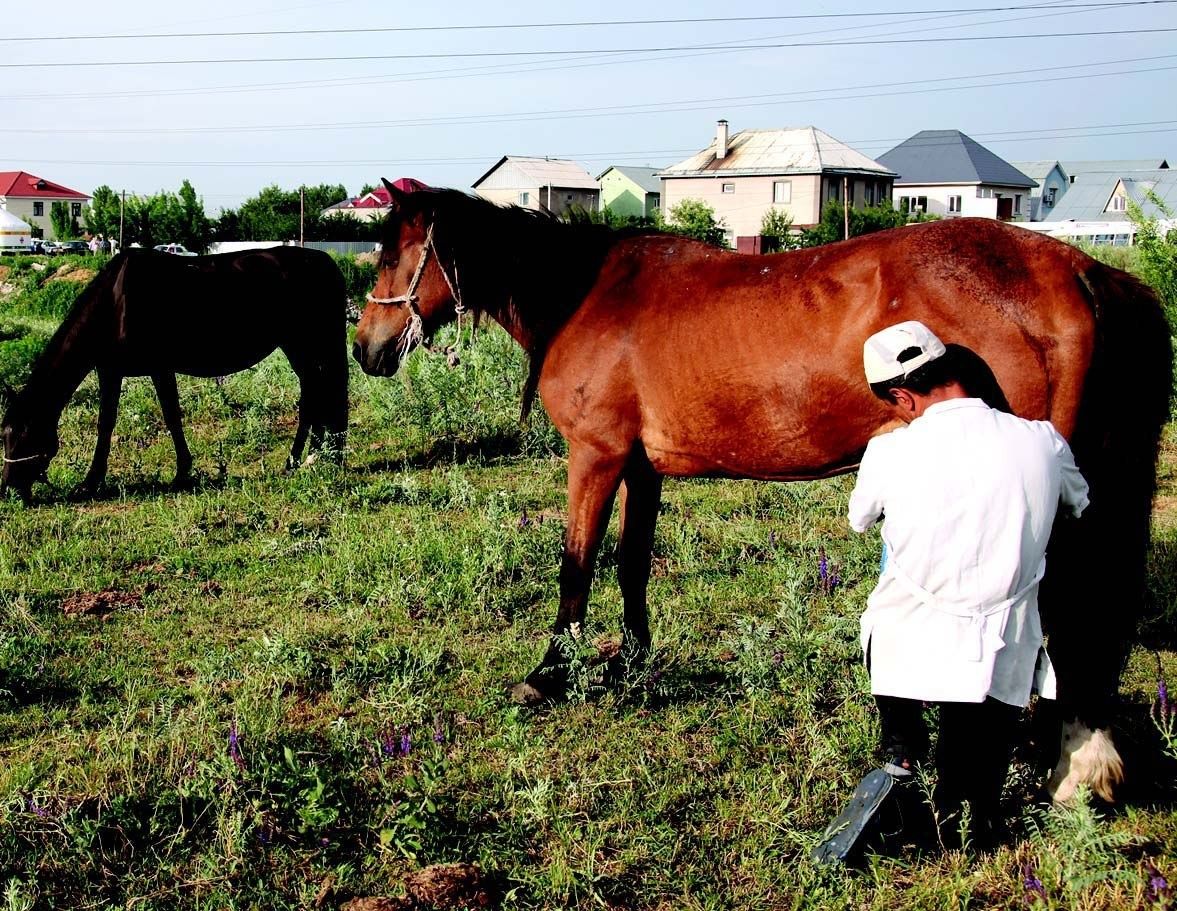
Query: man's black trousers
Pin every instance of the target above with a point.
(973, 750)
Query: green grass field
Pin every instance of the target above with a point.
(276, 690)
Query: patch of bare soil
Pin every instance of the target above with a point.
(99, 604)
(68, 272)
(441, 887)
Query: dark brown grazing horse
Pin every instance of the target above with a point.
(657, 356)
(155, 314)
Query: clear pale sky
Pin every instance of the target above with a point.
(232, 128)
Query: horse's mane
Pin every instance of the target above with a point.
(525, 266)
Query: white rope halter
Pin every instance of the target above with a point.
(414, 332)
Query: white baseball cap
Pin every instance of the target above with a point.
(880, 354)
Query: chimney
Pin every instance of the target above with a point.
(721, 140)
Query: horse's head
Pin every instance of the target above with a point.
(28, 450)
(416, 288)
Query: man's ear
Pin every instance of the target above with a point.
(902, 399)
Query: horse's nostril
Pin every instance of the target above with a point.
(357, 352)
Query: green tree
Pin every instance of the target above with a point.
(862, 221)
(779, 224)
(102, 215)
(694, 218)
(1158, 253)
(193, 229)
(65, 226)
(273, 213)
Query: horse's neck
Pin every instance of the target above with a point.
(547, 281)
(59, 371)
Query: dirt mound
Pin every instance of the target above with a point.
(99, 604)
(68, 272)
(441, 887)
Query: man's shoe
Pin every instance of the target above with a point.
(851, 828)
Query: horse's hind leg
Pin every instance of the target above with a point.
(110, 388)
(641, 495)
(305, 418)
(169, 404)
(593, 478)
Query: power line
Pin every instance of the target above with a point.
(646, 108)
(515, 68)
(710, 20)
(998, 137)
(451, 55)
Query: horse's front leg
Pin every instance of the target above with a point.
(110, 388)
(641, 496)
(593, 478)
(169, 404)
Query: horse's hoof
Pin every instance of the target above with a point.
(527, 695)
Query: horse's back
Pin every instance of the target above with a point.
(692, 345)
(211, 315)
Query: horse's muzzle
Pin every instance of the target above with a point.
(381, 361)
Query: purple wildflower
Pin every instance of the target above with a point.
(235, 747)
(1163, 703)
(388, 744)
(406, 743)
(1031, 884)
(827, 574)
(524, 521)
(777, 657)
(438, 734)
(35, 808)
(1158, 886)
(823, 568)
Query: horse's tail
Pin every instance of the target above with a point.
(1094, 592)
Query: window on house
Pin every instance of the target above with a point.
(729, 188)
(904, 204)
(833, 189)
(75, 209)
(868, 193)
(782, 191)
(38, 208)
(1048, 197)
(1119, 203)
(1017, 204)
(984, 192)
(954, 204)
(524, 198)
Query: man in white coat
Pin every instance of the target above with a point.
(967, 495)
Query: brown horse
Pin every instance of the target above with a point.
(155, 314)
(657, 356)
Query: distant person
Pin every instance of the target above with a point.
(967, 495)
(93, 245)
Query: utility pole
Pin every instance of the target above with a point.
(122, 208)
(301, 217)
(845, 209)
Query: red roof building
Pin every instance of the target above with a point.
(30, 197)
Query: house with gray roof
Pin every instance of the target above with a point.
(1095, 206)
(1052, 184)
(630, 192)
(946, 173)
(555, 184)
(795, 170)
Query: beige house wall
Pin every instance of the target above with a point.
(562, 198)
(743, 209)
(22, 208)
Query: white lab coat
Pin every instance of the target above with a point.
(968, 496)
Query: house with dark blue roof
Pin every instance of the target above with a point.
(946, 173)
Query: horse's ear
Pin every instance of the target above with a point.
(397, 197)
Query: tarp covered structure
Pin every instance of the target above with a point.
(14, 232)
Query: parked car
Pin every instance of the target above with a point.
(74, 246)
(176, 249)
